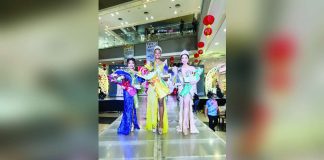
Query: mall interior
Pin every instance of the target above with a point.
(129, 28)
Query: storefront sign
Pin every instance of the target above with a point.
(150, 50)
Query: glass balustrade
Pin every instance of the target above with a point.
(158, 33)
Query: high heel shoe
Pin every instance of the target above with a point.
(185, 132)
(160, 130)
(132, 129)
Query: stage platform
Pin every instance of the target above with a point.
(142, 144)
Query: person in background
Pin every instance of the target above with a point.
(181, 26)
(146, 32)
(194, 25)
(196, 102)
(211, 111)
(102, 95)
(219, 93)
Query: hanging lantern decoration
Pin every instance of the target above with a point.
(201, 44)
(196, 55)
(208, 20)
(196, 61)
(104, 66)
(144, 61)
(208, 31)
(172, 59)
(200, 51)
(280, 49)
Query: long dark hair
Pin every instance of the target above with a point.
(131, 59)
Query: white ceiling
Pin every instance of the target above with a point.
(160, 10)
(133, 13)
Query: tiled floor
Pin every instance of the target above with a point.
(142, 144)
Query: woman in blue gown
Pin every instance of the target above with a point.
(127, 79)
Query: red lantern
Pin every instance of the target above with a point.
(171, 58)
(104, 66)
(196, 55)
(208, 31)
(200, 51)
(201, 44)
(144, 61)
(208, 20)
(280, 49)
(196, 60)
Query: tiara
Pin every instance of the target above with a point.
(184, 52)
(158, 47)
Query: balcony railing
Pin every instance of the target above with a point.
(159, 33)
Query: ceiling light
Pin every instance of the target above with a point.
(122, 23)
(126, 22)
(152, 17)
(216, 43)
(147, 0)
(225, 30)
(175, 12)
(146, 18)
(144, 5)
(112, 14)
(106, 32)
(99, 18)
(140, 60)
(117, 13)
(113, 62)
(172, 0)
(198, 7)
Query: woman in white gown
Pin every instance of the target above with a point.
(188, 76)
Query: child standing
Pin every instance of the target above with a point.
(211, 111)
